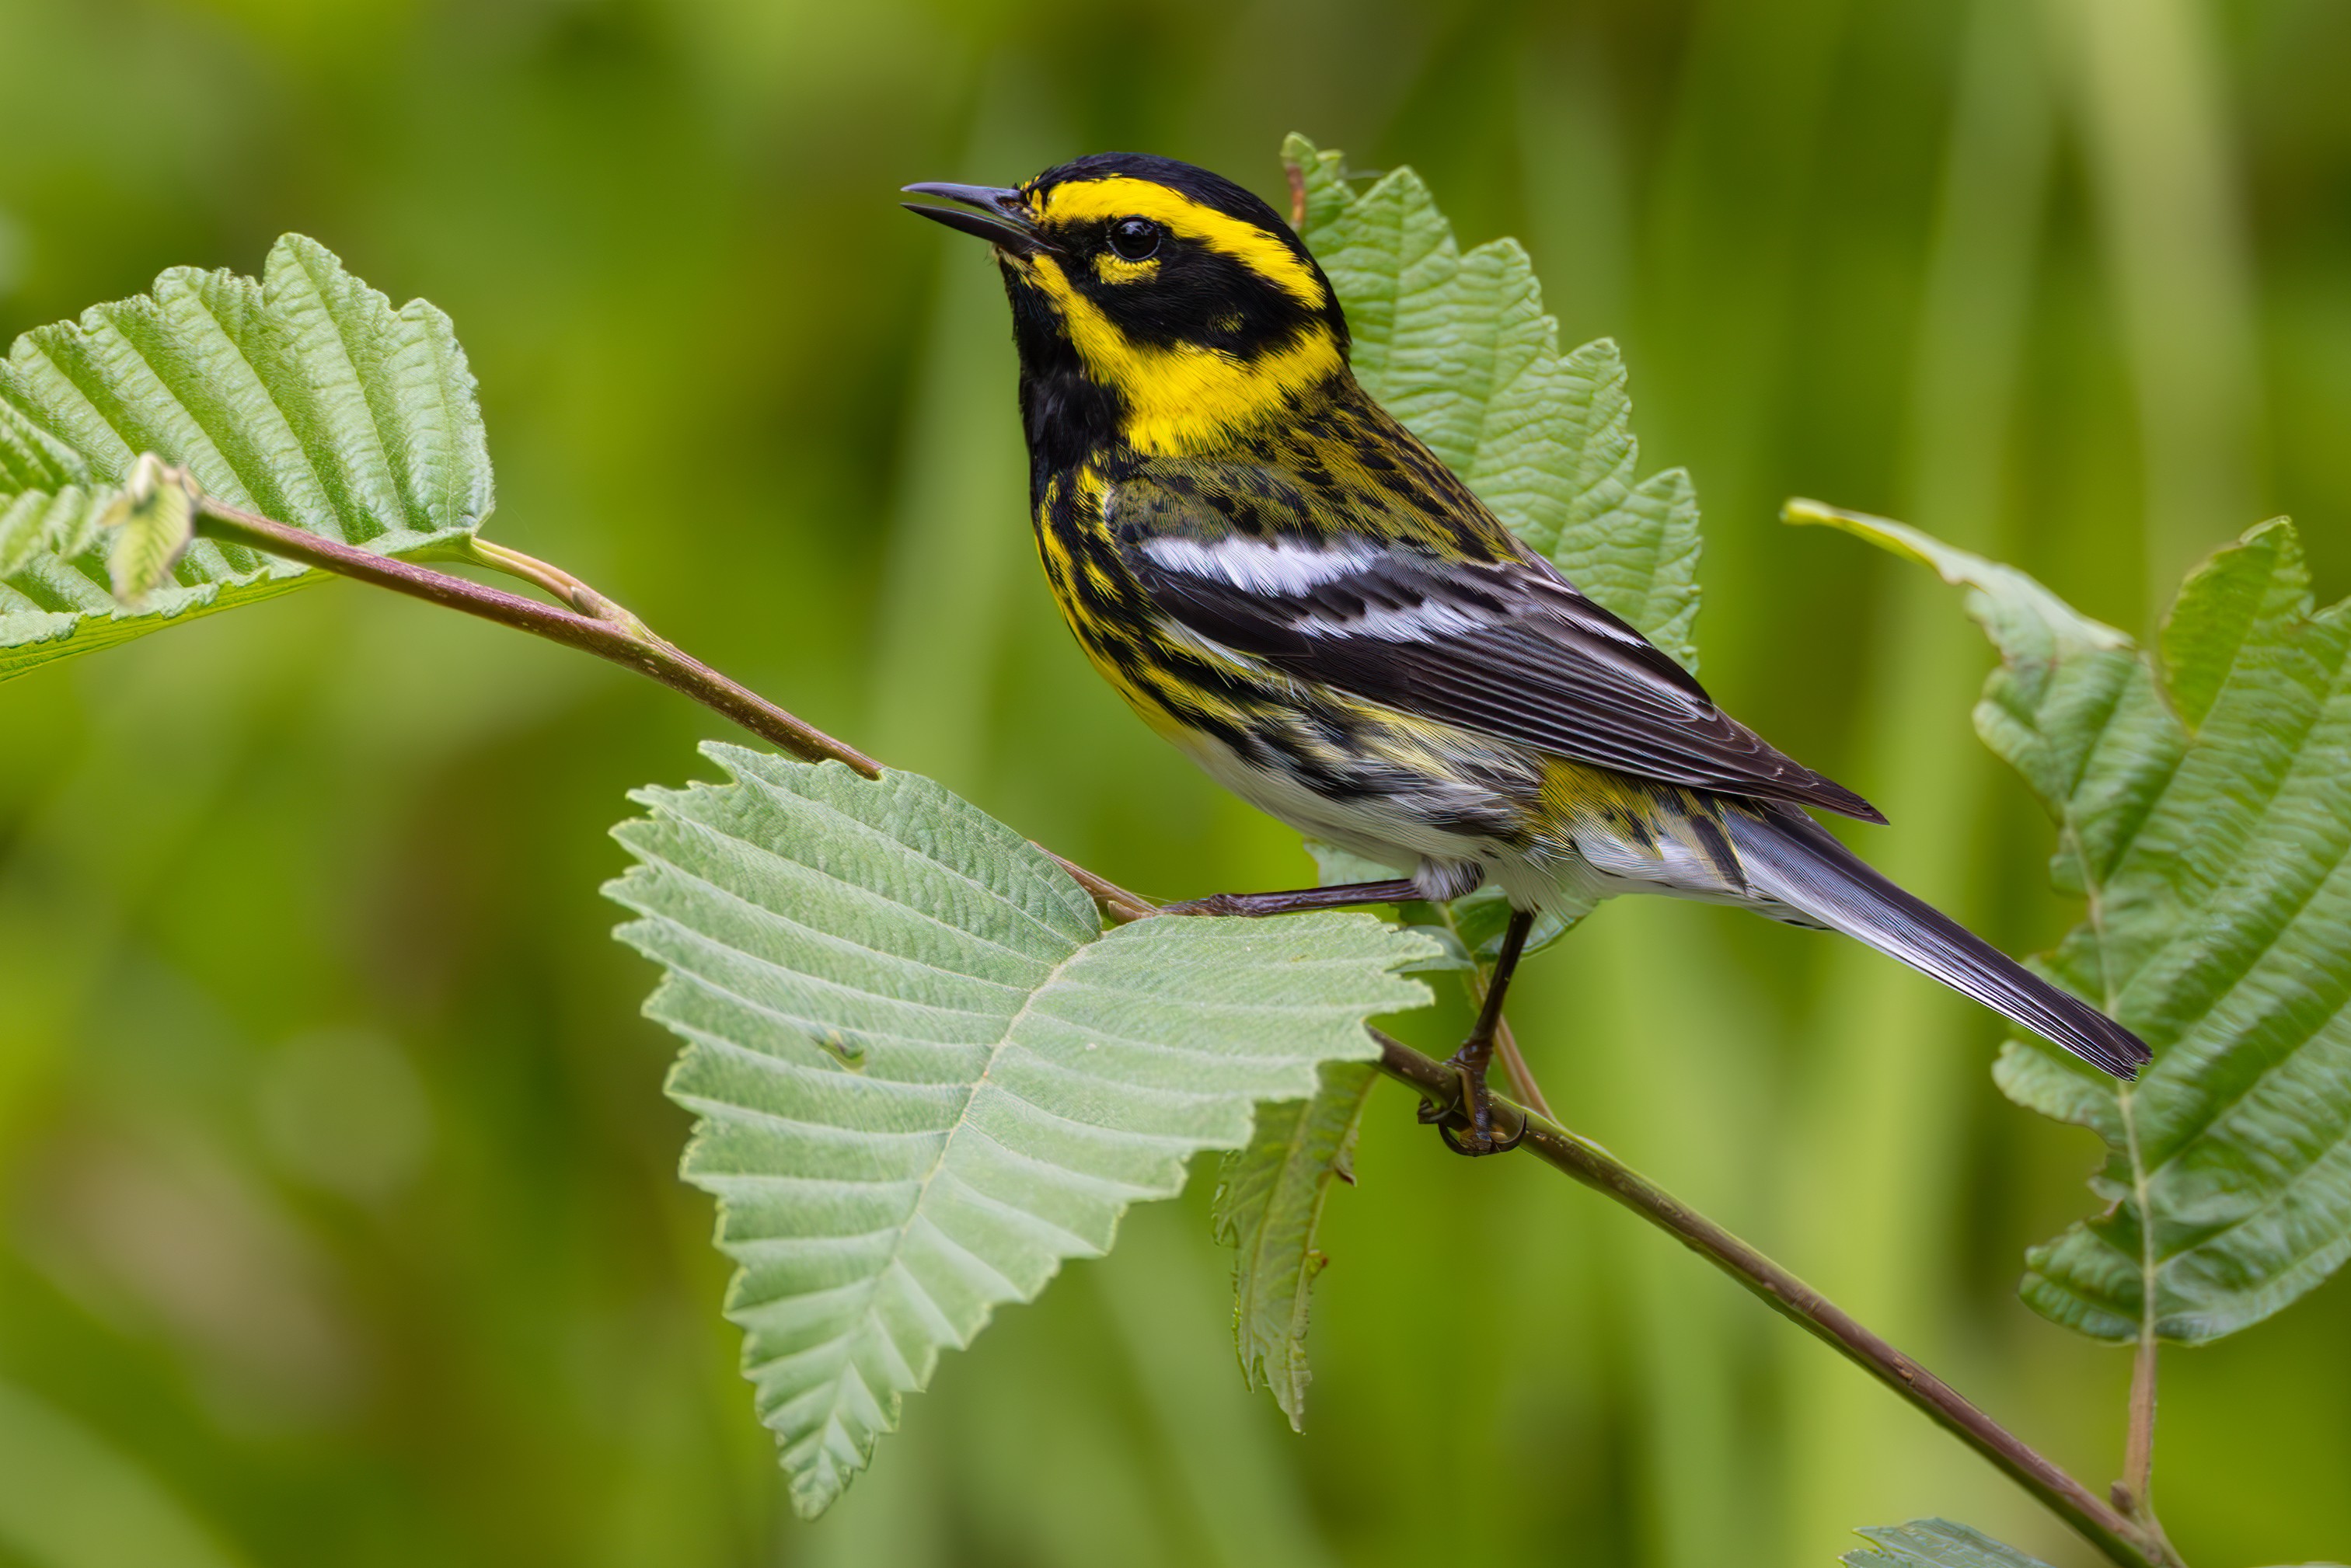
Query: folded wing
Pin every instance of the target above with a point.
(1507, 648)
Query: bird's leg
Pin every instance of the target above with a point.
(1403, 890)
(1476, 1109)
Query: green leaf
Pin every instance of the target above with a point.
(924, 1074)
(2204, 812)
(1269, 1201)
(303, 396)
(1456, 346)
(1934, 1543)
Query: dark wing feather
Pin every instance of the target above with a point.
(1507, 648)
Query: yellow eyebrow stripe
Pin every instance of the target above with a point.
(1123, 196)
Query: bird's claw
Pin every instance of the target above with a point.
(1471, 1114)
(1494, 1145)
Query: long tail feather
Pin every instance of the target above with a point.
(1789, 857)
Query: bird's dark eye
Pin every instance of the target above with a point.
(1134, 238)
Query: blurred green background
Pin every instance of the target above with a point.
(338, 1220)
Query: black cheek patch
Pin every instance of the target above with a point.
(1200, 297)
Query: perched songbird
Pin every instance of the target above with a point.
(1287, 584)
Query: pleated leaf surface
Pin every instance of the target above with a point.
(2203, 812)
(924, 1074)
(1934, 1543)
(1456, 344)
(303, 395)
(1268, 1203)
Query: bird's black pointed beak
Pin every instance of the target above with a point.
(998, 215)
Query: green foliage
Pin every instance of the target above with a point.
(1934, 1543)
(925, 1074)
(1456, 346)
(1761, 189)
(2203, 810)
(303, 396)
(1268, 1203)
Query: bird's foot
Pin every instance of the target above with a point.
(1467, 1126)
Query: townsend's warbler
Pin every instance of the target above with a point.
(1287, 584)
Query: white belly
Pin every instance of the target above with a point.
(1397, 831)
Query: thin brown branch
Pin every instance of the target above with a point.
(621, 639)
(2121, 1540)
(1531, 1095)
(2135, 1494)
(2138, 1447)
(594, 625)
(612, 633)
(558, 582)
(1115, 901)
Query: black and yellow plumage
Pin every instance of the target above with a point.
(1285, 583)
